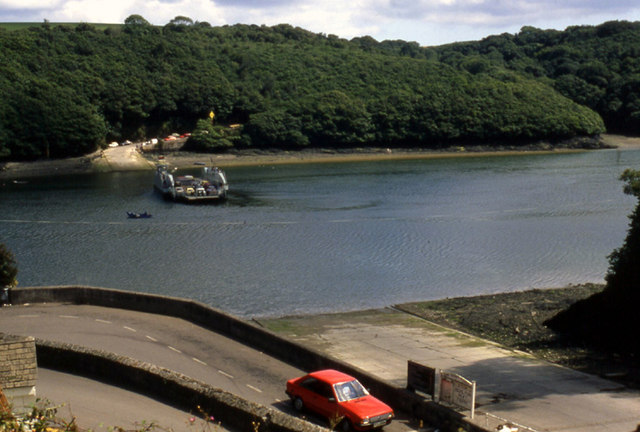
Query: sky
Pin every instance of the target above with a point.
(428, 22)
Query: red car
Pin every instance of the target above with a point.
(340, 398)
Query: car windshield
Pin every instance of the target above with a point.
(349, 390)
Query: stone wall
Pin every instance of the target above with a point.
(169, 387)
(18, 371)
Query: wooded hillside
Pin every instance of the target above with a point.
(68, 89)
(595, 66)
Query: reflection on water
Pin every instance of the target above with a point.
(328, 237)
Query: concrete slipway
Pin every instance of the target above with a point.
(511, 386)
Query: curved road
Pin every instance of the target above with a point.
(168, 342)
(98, 406)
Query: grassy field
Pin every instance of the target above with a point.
(10, 26)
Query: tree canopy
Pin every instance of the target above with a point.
(605, 319)
(69, 89)
(595, 66)
(8, 268)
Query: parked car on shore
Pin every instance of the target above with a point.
(340, 398)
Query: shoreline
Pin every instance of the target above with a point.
(182, 160)
(128, 158)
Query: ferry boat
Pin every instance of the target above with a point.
(210, 186)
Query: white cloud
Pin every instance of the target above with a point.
(29, 4)
(116, 11)
(345, 19)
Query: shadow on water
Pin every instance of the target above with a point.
(235, 198)
(241, 198)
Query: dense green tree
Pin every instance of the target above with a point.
(276, 128)
(208, 137)
(8, 268)
(624, 263)
(50, 121)
(136, 20)
(592, 65)
(69, 89)
(605, 319)
(334, 117)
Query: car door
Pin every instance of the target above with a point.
(328, 406)
(319, 397)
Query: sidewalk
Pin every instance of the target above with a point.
(511, 386)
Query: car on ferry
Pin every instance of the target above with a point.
(340, 398)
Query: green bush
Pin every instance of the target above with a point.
(609, 319)
(8, 268)
(208, 137)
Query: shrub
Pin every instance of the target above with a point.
(8, 268)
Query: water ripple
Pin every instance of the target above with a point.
(331, 237)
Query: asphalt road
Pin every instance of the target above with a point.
(99, 407)
(168, 342)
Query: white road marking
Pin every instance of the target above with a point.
(151, 338)
(28, 316)
(199, 361)
(256, 389)
(130, 329)
(174, 349)
(225, 374)
(103, 321)
(68, 316)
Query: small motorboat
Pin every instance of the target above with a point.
(133, 215)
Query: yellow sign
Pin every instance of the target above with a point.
(211, 115)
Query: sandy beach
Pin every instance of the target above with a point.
(128, 158)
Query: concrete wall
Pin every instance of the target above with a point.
(249, 334)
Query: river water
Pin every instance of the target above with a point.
(326, 237)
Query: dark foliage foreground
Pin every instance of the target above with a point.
(610, 319)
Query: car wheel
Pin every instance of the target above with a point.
(298, 404)
(345, 426)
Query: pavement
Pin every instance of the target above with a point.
(512, 387)
(163, 341)
(123, 158)
(98, 406)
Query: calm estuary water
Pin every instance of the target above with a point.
(330, 237)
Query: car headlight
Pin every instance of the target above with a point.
(365, 421)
